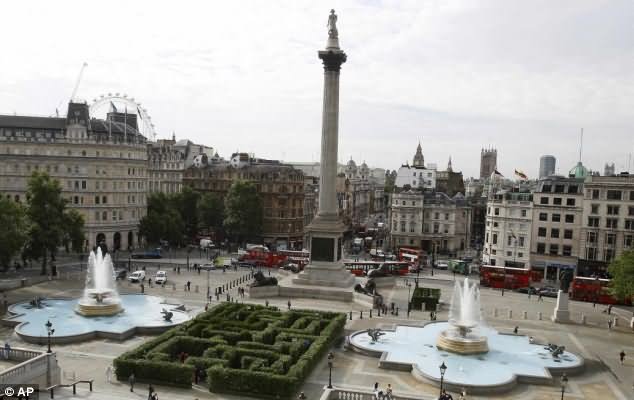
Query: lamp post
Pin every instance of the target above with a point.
(409, 297)
(443, 369)
(330, 358)
(564, 383)
(50, 331)
(208, 288)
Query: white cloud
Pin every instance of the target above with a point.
(522, 76)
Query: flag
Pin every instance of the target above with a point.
(114, 109)
(497, 173)
(139, 112)
(521, 175)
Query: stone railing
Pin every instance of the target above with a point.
(41, 369)
(338, 393)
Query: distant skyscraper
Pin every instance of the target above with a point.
(547, 166)
(609, 170)
(488, 162)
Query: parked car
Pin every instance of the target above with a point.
(160, 277)
(120, 274)
(147, 254)
(294, 268)
(137, 276)
(412, 269)
(208, 267)
(548, 291)
(442, 265)
(528, 289)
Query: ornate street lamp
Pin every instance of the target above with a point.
(50, 331)
(330, 358)
(443, 369)
(564, 383)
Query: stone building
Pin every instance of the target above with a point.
(166, 164)
(280, 186)
(406, 219)
(416, 176)
(507, 239)
(556, 225)
(446, 224)
(607, 227)
(449, 182)
(100, 164)
(488, 162)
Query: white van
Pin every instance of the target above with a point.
(137, 276)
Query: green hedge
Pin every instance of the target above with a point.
(244, 349)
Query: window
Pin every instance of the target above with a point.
(595, 209)
(521, 241)
(104, 200)
(595, 193)
(492, 261)
(546, 188)
(567, 251)
(509, 254)
(573, 189)
(613, 210)
(570, 202)
(610, 239)
(543, 216)
(632, 195)
(509, 240)
(83, 184)
(436, 227)
(554, 233)
(402, 226)
(628, 240)
(629, 224)
(592, 237)
(446, 217)
(557, 201)
(591, 253)
(554, 249)
(556, 217)
(495, 224)
(104, 216)
(541, 232)
(593, 222)
(559, 188)
(411, 227)
(97, 216)
(495, 238)
(543, 200)
(523, 213)
(611, 223)
(614, 195)
(436, 215)
(76, 200)
(609, 254)
(96, 199)
(570, 219)
(568, 234)
(497, 211)
(630, 210)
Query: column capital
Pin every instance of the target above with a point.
(332, 59)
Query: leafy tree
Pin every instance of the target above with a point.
(46, 211)
(13, 230)
(243, 211)
(74, 237)
(390, 180)
(622, 272)
(211, 208)
(186, 202)
(163, 221)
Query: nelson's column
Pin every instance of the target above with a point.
(325, 233)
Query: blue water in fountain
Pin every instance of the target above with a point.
(139, 311)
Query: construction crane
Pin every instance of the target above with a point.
(81, 73)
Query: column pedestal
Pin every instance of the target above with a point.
(561, 313)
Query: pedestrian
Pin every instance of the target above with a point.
(530, 291)
(266, 303)
(132, 381)
(178, 269)
(463, 394)
(154, 396)
(609, 324)
(142, 288)
(206, 306)
(7, 350)
(189, 286)
(540, 297)
(610, 309)
(150, 391)
(388, 392)
(622, 356)
(301, 396)
(289, 304)
(515, 330)
(149, 282)
(376, 386)
(108, 373)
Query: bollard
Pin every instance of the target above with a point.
(510, 314)
(495, 312)
(583, 319)
(616, 321)
(396, 311)
(350, 315)
(539, 315)
(378, 311)
(525, 314)
(370, 313)
(360, 314)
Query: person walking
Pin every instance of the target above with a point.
(301, 396)
(540, 297)
(463, 395)
(189, 286)
(515, 330)
(289, 304)
(108, 373)
(132, 381)
(150, 391)
(622, 356)
(609, 324)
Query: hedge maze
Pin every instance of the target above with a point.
(238, 348)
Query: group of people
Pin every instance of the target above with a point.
(380, 394)
(241, 291)
(447, 396)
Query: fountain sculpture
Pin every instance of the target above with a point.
(464, 317)
(100, 294)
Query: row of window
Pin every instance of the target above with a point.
(114, 215)
(612, 209)
(568, 218)
(611, 223)
(496, 211)
(45, 151)
(553, 250)
(560, 188)
(554, 233)
(511, 240)
(103, 185)
(610, 194)
(558, 201)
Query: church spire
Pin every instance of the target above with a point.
(419, 160)
(449, 168)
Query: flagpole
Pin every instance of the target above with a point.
(125, 125)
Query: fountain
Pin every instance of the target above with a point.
(464, 317)
(100, 294)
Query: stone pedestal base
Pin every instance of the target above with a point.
(327, 274)
(289, 287)
(561, 313)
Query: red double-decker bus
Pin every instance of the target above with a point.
(504, 277)
(594, 290)
(413, 256)
(361, 268)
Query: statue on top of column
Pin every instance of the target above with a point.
(332, 25)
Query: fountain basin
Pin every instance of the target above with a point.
(454, 342)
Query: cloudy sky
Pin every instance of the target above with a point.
(522, 76)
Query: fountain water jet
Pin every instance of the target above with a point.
(100, 294)
(464, 316)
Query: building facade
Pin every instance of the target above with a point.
(101, 166)
(547, 165)
(406, 219)
(556, 226)
(280, 186)
(507, 239)
(607, 222)
(166, 164)
(446, 224)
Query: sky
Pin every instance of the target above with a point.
(521, 76)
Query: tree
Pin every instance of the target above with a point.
(243, 211)
(186, 202)
(46, 211)
(211, 209)
(390, 180)
(74, 237)
(13, 230)
(622, 272)
(163, 221)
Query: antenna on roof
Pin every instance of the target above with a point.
(580, 145)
